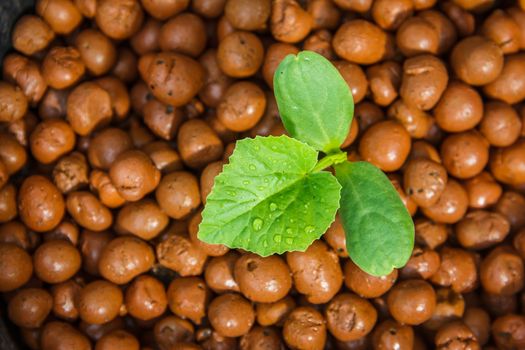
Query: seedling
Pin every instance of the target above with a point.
(276, 196)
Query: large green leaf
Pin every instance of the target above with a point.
(314, 101)
(267, 201)
(379, 229)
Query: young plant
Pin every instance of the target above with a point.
(276, 196)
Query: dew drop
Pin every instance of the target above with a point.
(246, 182)
(292, 221)
(289, 231)
(265, 244)
(266, 180)
(288, 240)
(261, 188)
(231, 193)
(309, 229)
(273, 207)
(257, 224)
(277, 238)
(252, 167)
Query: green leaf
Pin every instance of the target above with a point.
(314, 101)
(267, 200)
(379, 229)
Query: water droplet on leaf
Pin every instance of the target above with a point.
(289, 231)
(257, 224)
(273, 207)
(277, 238)
(252, 167)
(288, 240)
(309, 229)
(246, 182)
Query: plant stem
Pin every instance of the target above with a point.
(329, 160)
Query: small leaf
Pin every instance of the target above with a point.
(267, 201)
(314, 101)
(379, 229)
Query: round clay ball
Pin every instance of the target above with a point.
(188, 297)
(451, 205)
(134, 175)
(502, 271)
(219, 275)
(509, 86)
(240, 54)
(246, 14)
(64, 297)
(424, 181)
(477, 60)
(231, 315)
(173, 78)
(360, 41)
(144, 219)
(366, 285)
(31, 34)
(62, 67)
(56, 261)
(61, 15)
(97, 51)
(124, 258)
(99, 302)
(425, 78)
(40, 204)
(348, 308)
(412, 301)
(264, 280)
(289, 22)
(392, 335)
(62, 335)
(458, 270)
(178, 194)
(184, 33)
(242, 106)
(29, 307)
(106, 145)
(146, 298)
(507, 331)
(51, 139)
(305, 328)
(164, 9)
(507, 163)
(481, 229)
(119, 19)
(385, 144)
(116, 340)
(88, 108)
(501, 124)
(316, 272)
(16, 267)
(465, 154)
(459, 109)
(88, 211)
(13, 103)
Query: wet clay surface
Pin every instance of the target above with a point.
(116, 116)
